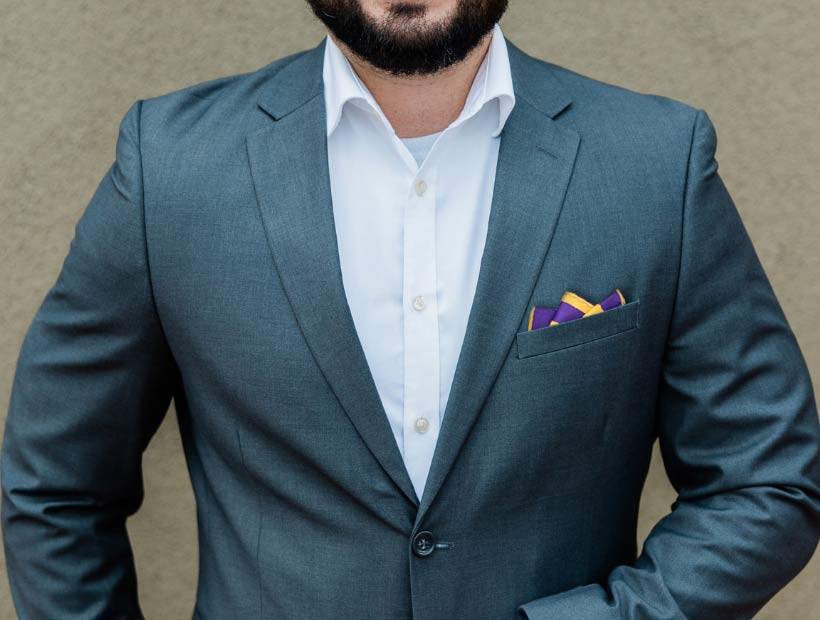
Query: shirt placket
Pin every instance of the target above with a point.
(420, 315)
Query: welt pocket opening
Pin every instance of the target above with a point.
(580, 331)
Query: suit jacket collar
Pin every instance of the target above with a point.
(289, 167)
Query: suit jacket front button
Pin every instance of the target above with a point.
(423, 544)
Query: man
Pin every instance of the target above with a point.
(332, 265)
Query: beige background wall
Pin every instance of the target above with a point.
(69, 69)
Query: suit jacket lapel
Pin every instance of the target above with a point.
(289, 166)
(535, 162)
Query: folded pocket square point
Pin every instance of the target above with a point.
(571, 307)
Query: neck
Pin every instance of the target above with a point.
(420, 105)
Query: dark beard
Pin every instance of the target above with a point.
(397, 45)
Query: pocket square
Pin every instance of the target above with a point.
(571, 307)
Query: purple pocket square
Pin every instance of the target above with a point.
(571, 307)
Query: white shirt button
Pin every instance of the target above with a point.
(421, 187)
(418, 302)
(422, 425)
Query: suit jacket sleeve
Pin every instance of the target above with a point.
(738, 431)
(93, 380)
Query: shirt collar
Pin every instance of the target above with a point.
(492, 80)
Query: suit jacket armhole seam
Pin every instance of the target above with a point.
(682, 215)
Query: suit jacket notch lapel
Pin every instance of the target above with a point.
(288, 160)
(535, 162)
(289, 167)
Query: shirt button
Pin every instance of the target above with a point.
(421, 187)
(422, 424)
(418, 302)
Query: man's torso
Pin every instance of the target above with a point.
(302, 508)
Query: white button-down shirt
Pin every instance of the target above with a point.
(411, 237)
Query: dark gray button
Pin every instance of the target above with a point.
(423, 544)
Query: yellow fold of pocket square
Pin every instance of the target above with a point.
(571, 307)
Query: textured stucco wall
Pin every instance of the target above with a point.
(69, 70)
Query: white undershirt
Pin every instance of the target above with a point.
(420, 145)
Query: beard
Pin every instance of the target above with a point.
(403, 45)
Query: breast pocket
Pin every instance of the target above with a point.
(578, 332)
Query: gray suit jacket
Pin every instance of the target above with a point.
(205, 269)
